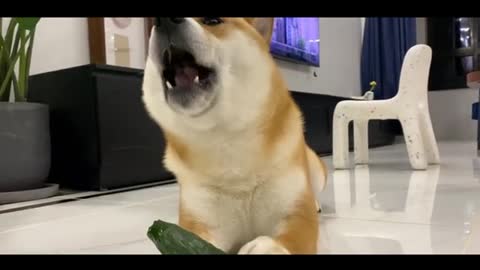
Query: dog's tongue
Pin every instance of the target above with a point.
(185, 76)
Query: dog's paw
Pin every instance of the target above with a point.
(263, 245)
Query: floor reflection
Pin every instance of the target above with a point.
(356, 198)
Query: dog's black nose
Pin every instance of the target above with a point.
(162, 21)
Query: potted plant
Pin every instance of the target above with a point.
(24, 128)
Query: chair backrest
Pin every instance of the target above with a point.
(413, 83)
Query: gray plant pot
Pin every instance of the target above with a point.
(24, 146)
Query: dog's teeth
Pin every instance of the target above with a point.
(196, 80)
(169, 86)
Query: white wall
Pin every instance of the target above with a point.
(450, 109)
(362, 22)
(63, 42)
(59, 43)
(339, 71)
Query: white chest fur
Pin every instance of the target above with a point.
(236, 217)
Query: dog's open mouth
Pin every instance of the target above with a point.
(182, 73)
(188, 86)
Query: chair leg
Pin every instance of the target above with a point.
(318, 205)
(431, 147)
(414, 140)
(340, 141)
(360, 142)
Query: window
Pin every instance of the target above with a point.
(455, 42)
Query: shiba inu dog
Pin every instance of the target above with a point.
(235, 138)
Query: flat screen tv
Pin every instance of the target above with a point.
(297, 40)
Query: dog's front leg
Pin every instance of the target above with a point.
(214, 216)
(297, 233)
(195, 225)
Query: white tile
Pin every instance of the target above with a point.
(446, 194)
(350, 236)
(49, 200)
(381, 208)
(103, 225)
(53, 213)
(65, 195)
(142, 195)
(142, 246)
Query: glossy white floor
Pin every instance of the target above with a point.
(381, 208)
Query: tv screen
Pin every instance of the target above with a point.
(296, 39)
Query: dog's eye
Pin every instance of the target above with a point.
(212, 20)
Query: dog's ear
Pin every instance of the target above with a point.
(264, 26)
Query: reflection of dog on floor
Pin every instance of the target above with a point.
(234, 135)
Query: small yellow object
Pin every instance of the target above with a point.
(373, 84)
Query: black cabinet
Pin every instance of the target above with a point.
(102, 136)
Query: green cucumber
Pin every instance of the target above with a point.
(170, 238)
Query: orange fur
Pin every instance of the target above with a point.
(278, 115)
(190, 222)
(176, 147)
(300, 232)
(278, 123)
(300, 229)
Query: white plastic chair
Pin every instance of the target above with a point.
(410, 106)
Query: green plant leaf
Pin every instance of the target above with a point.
(15, 44)
(2, 47)
(9, 36)
(1, 60)
(15, 88)
(15, 52)
(27, 23)
(21, 67)
(5, 81)
(4, 63)
(31, 38)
